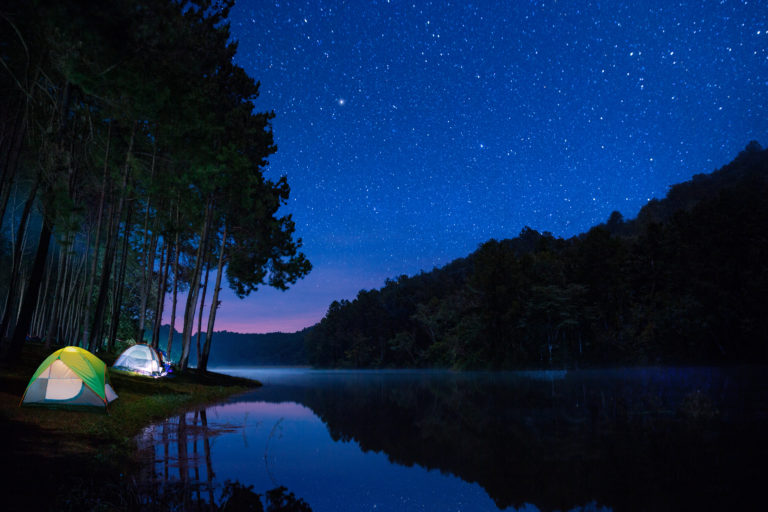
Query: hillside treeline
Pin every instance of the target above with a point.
(244, 349)
(684, 282)
(131, 165)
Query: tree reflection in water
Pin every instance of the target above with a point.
(237, 497)
(642, 439)
(174, 479)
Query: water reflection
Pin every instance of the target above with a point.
(178, 476)
(649, 439)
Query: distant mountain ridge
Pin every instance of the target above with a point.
(239, 349)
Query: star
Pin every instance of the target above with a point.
(423, 131)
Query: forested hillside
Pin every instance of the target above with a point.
(243, 349)
(684, 282)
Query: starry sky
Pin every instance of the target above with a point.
(412, 131)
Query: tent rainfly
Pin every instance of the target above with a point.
(71, 377)
(141, 359)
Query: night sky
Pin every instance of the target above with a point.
(411, 132)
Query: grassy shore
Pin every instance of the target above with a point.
(81, 460)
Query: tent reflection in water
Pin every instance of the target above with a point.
(141, 359)
(70, 377)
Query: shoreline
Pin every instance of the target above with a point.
(82, 460)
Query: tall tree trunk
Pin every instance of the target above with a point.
(18, 245)
(109, 254)
(96, 246)
(30, 297)
(64, 292)
(202, 308)
(175, 294)
(39, 315)
(203, 364)
(162, 288)
(33, 289)
(51, 331)
(10, 148)
(97, 320)
(82, 299)
(62, 277)
(120, 282)
(22, 280)
(146, 282)
(9, 137)
(78, 301)
(72, 301)
(46, 301)
(148, 253)
(194, 289)
(11, 162)
(114, 303)
(21, 276)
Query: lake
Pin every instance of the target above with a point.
(593, 440)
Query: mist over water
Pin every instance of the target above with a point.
(623, 439)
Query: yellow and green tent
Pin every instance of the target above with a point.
(71, 376)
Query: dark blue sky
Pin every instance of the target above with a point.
(411, 132)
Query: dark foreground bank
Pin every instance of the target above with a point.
(80, 460)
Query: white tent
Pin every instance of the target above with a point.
(141, 359)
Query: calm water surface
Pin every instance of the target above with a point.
(625, 439)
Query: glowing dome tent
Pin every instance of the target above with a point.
(141, 359)
(70, 377)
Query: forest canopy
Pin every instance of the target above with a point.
(684, 282)
(132, 163)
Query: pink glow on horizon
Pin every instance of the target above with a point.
(270, 310)
(234, 321)
(249, 315)
(283, 324)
